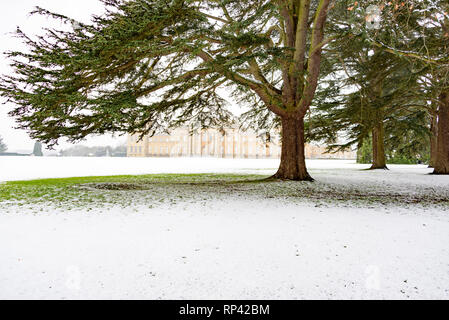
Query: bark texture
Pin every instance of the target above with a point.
(433, 140)
(293, 160)
(379, 160)
(442, 161)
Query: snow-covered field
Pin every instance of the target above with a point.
(25, 168)
(237, 243)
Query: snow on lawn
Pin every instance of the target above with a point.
(244, 242)
(26, 168)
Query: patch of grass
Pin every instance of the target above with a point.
(182, 189)
(95, 191)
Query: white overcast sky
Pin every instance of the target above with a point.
(16, 13)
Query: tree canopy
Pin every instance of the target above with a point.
(149, 64)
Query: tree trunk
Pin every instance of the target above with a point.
(293, 161)
(442, 160)
(379, 160)
(433, 140)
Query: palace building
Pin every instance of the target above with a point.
(230, 143)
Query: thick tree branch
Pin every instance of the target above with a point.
(313, 69)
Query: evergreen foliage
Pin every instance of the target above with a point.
(365, 151)
(148, 65)
(376, 80)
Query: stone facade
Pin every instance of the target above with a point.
(231, 143)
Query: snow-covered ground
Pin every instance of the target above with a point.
(237, 245)
(25, 168)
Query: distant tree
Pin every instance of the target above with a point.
(387, 89)
(365, 151)
(37, 151)
(367, 98)
(97, 151)
(119, 151)
(3, 146)
(420, 34)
